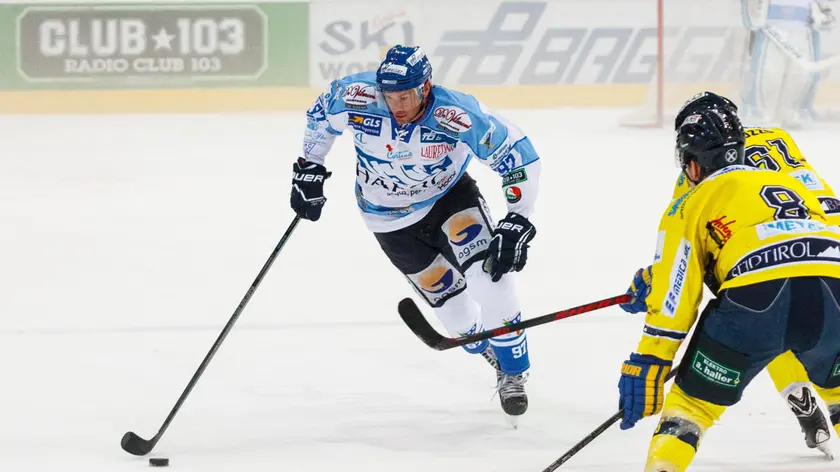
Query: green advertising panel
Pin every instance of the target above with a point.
(140, 46)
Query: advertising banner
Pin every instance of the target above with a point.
(487, 42)
(153, 45)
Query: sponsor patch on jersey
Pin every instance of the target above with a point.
(452, 119)
(830, 205)
(398, 154)
(808, 179)
(499, 156)
(358, 95)
(436, 151)
(487, 139)
(719, 230)
(513, 194)
(516, 177)
(428, 135)
(367, 124)
(439, 281)
(660, 244)
(676, 205)
(790, 226)
(676, 282)
(794, 251)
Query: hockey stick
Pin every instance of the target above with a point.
(413, 317)
(796, 55)
(594, 434)
(134, 444)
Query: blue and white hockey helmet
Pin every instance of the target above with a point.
(404, 68)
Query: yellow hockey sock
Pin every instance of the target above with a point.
(683, 422)
(786, 370)
(834, 413)
(671, 453)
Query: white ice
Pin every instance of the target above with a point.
(126, 243)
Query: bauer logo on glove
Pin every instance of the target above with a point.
(641, 387)
(307, 199)
(508, 250)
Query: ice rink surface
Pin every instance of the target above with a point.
(126, 242)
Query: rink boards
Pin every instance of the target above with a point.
(213, 57)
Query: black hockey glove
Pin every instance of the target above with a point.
(508, 249)
(308, 189)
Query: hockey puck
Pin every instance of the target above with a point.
(158, 462)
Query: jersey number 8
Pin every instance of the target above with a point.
(787, 203)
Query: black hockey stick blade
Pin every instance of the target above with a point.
(134, 444)
(594, 434)
(414, 319)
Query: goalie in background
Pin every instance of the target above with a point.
(778, 91)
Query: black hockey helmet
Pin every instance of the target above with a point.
(714, 138)
(702, 101)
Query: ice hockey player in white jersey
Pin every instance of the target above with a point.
(413, 142)
(778, 91)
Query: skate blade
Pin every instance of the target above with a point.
(827, 451)
(513, 421)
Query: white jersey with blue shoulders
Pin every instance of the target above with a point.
(401, 171)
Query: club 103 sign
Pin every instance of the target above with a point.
(147, 41)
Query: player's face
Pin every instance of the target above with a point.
(407, 105)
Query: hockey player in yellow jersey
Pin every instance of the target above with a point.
(762, 242)
(771, 149)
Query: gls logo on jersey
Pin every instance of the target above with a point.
(467, 235)
(367, 124)
(675, 284)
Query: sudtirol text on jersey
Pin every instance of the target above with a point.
(402, 170)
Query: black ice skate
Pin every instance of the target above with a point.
(512, 393)
(511, 388)
(803, 403)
